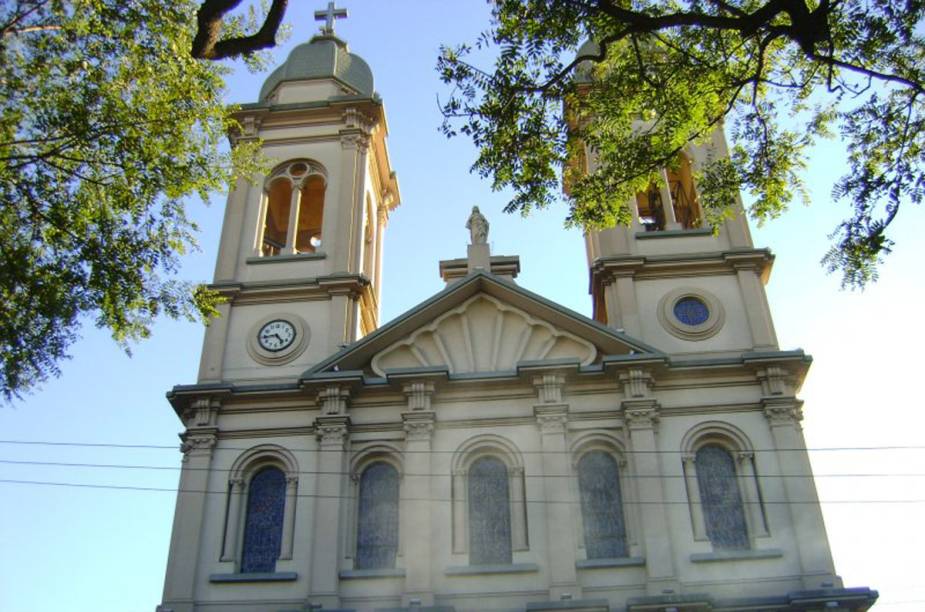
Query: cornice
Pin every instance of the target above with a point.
(318, 288)
(605, 269)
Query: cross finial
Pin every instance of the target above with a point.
(328, 16)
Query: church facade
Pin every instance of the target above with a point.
(488, 449)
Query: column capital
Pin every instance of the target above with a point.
(419, 394)
(198, 443)
(640, 414)
(637, 383)
(418, 425)
(334, 400)
(783, 410)
(551, 418)
(332, 430)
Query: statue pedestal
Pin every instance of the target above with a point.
(479, 258)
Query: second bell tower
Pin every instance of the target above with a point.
(300, 257)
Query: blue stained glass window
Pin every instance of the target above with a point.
(601, 506)
(489, 513)
(691, 311)
(263, 525)
(723, 511)
(377, 525)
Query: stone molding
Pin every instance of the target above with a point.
(202, 412)
(419, 395)
(783, 410)
(334, 400)
(641, 414)
(637, 383)
(774, 381)
(551, 419)
(198, 443)
(332, 430)
(418, 425)
(549, 388)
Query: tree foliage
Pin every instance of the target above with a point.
(106, 125)
(661, 74)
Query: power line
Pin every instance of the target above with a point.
(434, 452)
(439, 474)
(82, 485)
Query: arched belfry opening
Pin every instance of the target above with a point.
(294, 209)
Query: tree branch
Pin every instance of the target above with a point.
(209, 19)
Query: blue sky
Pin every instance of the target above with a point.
(85, 549)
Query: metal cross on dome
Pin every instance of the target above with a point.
(328, 16)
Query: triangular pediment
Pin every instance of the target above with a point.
(483, 334)
(481, 324)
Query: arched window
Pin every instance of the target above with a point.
(723, 511)
(489, 513)
(263, 523)
(683, 194)
(294, 209)
(681, 208)
(601, 506)
(377, 521)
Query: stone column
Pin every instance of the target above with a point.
(186, 539)
(552, 418)
(460, 518)
(416, 527)
(693, 496)
(640, 415)
(292, 486)
(757, 525)
(236, 496)
(332, 429)
(784, 415)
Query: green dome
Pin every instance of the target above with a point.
(584, 70)
(323, 57)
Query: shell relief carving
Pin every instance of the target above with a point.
(482, 335)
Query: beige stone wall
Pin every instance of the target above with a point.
(506, 410)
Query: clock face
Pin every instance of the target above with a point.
(276, 335)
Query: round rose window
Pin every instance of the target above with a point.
(691, 311)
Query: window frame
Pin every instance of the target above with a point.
(245, 467)
(740, 449)
(365, 457)
(615, 447)
(470, 452)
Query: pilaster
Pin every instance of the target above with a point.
(332, 431)
(784, 414)
(552, 420)
(640, 416)
(198, 443)
(416, 527)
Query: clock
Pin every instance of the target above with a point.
(276, 335)
(278, 338)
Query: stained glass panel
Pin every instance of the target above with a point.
(489, 513)
(691, 311)
(601, 506)
(377, 525)
(263, 525)
(723, 511)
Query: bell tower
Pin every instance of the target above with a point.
(667, 279)
(300, 257)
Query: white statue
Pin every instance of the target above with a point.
(478, 227)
